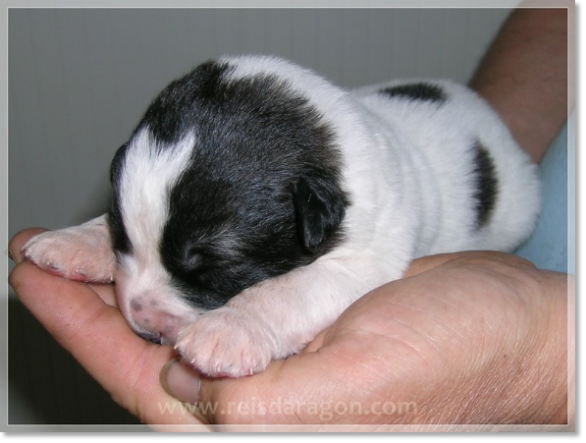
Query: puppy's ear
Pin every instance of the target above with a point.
(320, 206)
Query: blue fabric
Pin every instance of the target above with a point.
(552, 245)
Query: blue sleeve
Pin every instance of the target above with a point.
(552, 245)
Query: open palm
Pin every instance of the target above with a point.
(462, 339)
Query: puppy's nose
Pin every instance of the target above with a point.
(151, 336)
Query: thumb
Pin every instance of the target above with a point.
(282, 394)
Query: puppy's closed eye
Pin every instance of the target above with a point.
(195, 257)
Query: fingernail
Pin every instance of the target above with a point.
(9, 254)
(180, 381)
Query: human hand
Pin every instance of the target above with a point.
(84, 319)
(476, 337)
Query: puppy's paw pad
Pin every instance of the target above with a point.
(225, 343)
(70, 255)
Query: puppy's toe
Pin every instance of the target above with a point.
(70, 255)
(225, 343)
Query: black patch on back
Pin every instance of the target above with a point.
(486, 184)
(262, 193)
(417, 91)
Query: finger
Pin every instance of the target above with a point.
(19, 240)
(302, 380)
(106, 292)
(100, 339)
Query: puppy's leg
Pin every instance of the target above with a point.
(81, 252)
(275, 318)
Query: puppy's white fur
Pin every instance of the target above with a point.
(407, 168)
(148, 176)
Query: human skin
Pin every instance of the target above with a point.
(464, 338)
(524, 76)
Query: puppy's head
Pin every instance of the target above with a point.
(231, 177)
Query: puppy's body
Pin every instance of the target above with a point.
(255, 201)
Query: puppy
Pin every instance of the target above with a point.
(256, 201)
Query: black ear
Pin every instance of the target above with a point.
(320, 206)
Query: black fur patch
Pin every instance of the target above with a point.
(120, 240)
(486, 184)
(261, 195)
(417, 91)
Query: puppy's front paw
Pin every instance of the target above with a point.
(226, 343)
(73, 253)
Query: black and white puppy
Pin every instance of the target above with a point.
(256, 201)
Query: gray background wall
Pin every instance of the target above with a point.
(79, 80)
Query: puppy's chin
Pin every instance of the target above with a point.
(153, 308)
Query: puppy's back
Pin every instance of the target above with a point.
(488, 187)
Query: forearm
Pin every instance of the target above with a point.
(524, 76)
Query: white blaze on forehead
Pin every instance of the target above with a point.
(149, 173)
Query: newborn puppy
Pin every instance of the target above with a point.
(256, 201)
